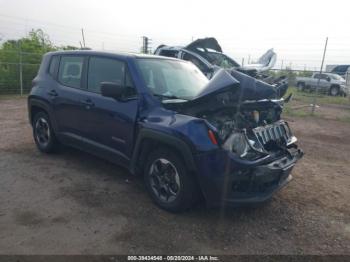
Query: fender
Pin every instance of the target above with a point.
(163, 138)
(32, 101)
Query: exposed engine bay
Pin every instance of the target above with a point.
(246, 119)
(251, 133)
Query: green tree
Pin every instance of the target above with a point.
(24, 55)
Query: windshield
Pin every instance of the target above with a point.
(221, 60)
(172, 79)
(337, 77)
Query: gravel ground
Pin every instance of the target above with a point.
(74, 203)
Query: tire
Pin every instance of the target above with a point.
(301, 86)
(43, 134)
(178, 190)
(334, 91)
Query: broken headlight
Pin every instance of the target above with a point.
(237, 143)
(240, 144)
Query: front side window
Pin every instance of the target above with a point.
(172, 79)
(70, 70)
(324, 77)
(108, 70)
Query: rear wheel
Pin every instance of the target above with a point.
(334, 91)
(43, 134)
(168, 181)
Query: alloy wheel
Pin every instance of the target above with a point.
(164, 180)
(42, 132)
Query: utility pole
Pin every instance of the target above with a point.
(318, 82)
(282, 65)
(242, 61)
(20, 66)
(145, 45)
(82, 33)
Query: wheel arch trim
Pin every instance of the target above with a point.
(35, 102)
(165, 139)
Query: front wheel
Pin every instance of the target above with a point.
(301, 86)
(168, 181)
(334, 91)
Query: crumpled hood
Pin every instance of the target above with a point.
(245, 87)
(227, 89)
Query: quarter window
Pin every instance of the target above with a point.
(70, 70)
(54, 66)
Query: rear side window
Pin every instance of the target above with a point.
(106, 70)
(70, 70)
(54, 66)
(341, 69)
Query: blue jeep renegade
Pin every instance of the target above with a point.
(161, 117)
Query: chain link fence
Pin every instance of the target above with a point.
(17, 70)
(16, 79)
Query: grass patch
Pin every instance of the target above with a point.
(321, 99)
(302, 112)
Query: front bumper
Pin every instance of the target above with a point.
(345, 90)
(226, 180)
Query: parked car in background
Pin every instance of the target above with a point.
(162, 118)
(338, 69)
(328, 83)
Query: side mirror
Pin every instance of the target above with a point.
(110, 89)
(328, 79)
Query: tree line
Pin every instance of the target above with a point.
(20, 60)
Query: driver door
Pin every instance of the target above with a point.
(111, 124)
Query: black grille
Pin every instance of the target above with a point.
(275, 132)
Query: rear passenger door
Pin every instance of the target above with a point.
(67, 97)
(111, 125)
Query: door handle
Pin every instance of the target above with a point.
(88, 103)
(52, 93)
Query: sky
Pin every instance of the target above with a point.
(245, 29)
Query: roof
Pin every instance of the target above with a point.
(111, 54)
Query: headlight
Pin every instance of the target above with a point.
(237, 143)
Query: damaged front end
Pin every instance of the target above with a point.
(256, 148)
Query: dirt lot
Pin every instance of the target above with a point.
(74, 203)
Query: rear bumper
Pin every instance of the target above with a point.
(231, 182)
